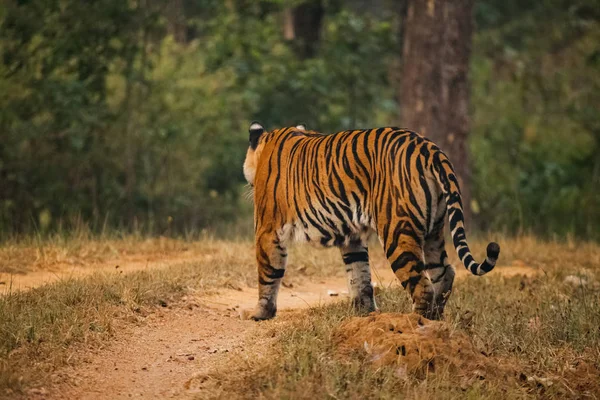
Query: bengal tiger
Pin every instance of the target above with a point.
(336, 189)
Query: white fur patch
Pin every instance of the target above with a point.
(249, 174)
(256, 127)
(249, 167)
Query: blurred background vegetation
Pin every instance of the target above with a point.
(133, 114)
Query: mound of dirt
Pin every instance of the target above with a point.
(417, 345)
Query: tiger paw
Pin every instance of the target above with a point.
(364, 305)
(262, 312)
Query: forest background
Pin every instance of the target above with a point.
(133, 115)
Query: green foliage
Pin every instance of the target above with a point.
(339, 89)
(106, 119)
(123, 126)
(103, 120)
(536, 139)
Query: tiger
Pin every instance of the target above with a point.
(335, 190)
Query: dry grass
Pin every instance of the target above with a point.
(542, 332)
(543, 348)
(40, 329)
(28, 255)
(546, 330)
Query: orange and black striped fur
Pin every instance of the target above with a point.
(336, 189)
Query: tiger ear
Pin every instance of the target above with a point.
(301, 127)
(255, 130)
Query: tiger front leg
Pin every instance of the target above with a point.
(358, 273)
(271, 257)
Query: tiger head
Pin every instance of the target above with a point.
(256, 144)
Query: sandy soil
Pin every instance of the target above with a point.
(171, 354)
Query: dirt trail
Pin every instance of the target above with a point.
(27, 281)
(19, 282)
(163, 359)
(170, 355)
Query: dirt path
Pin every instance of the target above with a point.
(172, 353)
(164, 359)
(19, 282)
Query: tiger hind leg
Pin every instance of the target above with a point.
(439, 270)
(358, 273)
(271, 255)
(405, 255)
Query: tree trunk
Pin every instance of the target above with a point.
(302, 25)
(434, 93)
(176, 23)
(288, 24)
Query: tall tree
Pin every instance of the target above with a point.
(302, 25)
(434, 92)
(176, 22)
